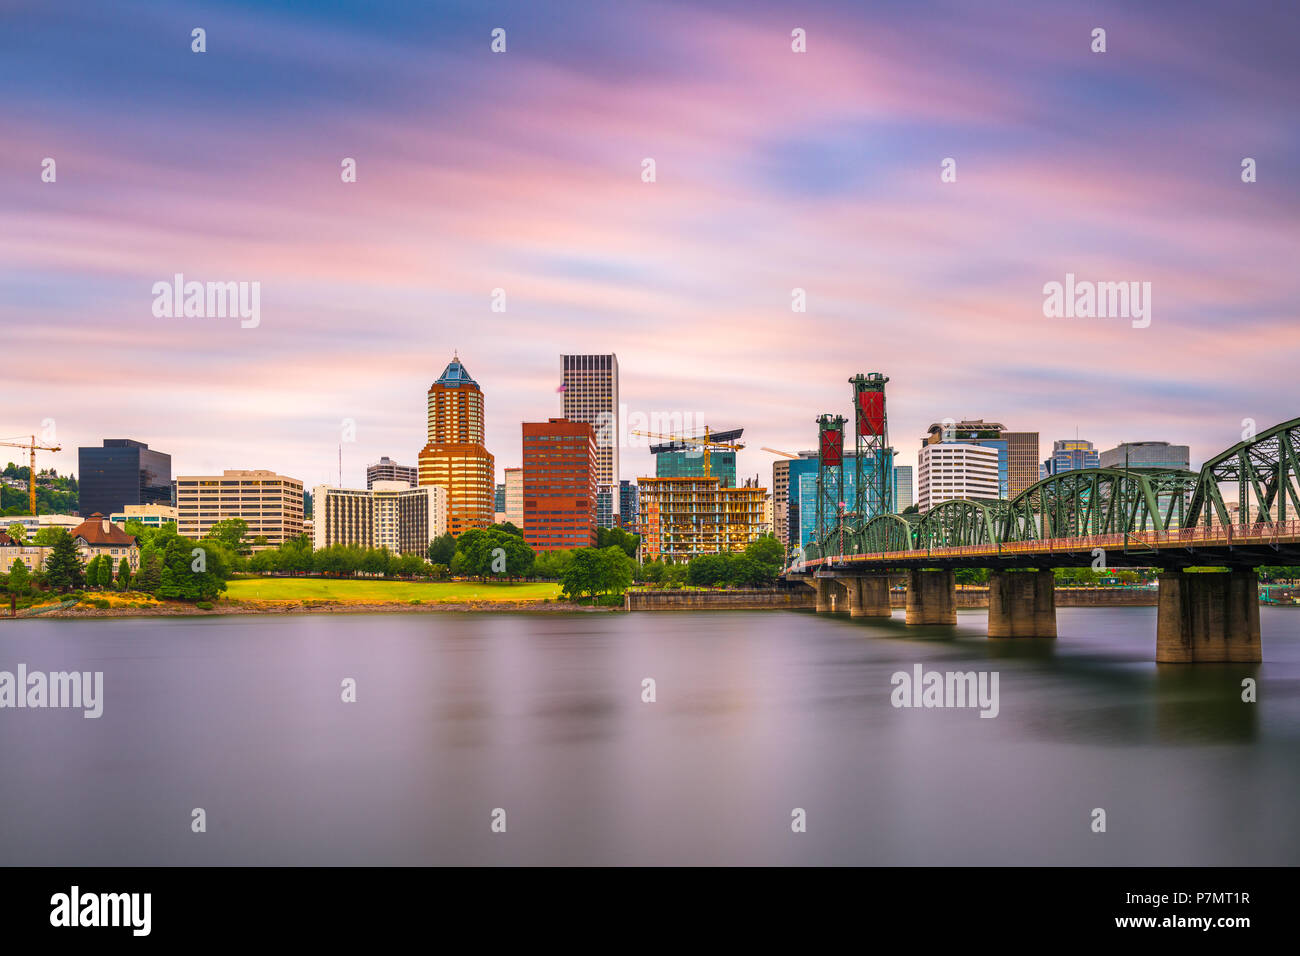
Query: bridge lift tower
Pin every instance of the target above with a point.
(830, 480)
(873, 462)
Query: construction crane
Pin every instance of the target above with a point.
(706, 443)
(31, 446)
(777, 451)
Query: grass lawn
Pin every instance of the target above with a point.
(369, 591)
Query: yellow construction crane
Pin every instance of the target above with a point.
(31, 446)
(706, 443)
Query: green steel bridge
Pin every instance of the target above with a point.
(1136, 517)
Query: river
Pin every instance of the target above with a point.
(458, 715)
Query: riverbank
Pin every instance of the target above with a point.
(222, 608)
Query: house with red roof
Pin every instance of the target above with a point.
(98, 536)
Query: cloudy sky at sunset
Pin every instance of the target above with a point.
(522, 171)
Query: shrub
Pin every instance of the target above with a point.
(204, 605)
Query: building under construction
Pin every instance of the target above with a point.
(682, 518)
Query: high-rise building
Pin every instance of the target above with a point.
(1022, 461)
(514, 508)
(781, 499)
(803, 489)
(560, 470)
(390, 515)
(627, 504)
(790, 491)
(1146, 454)
(1017, 451)
(682, 518)
(388, 470)
(499, 498)
(455, 457)
(951, 470)
(1070, 454)
(271, 504)
(904, 495)
(123, 472)
(590, 392)
(679, 460)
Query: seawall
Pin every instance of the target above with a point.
(787, 598)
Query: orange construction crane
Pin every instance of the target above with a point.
(706, 443)
(31, 446)
(777, 451)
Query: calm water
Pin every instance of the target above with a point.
(541, 714)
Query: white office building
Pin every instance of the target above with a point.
(590, 391)
(390, 515)
(951, 470)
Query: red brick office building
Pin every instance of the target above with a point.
(560, 474)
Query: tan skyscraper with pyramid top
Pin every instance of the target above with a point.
(455, 457)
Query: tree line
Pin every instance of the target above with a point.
(177, 567)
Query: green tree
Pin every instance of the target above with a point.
(551, 565)
(231, 533)
(593, 572)
(91, 572)
(294, 555)
(509, 527)
(20, 579)
(47, 535)
(441, 549)
(618, 537)
(149, 577)
(749, 571)
(104, 578)
(189, 576)
(376, 561)
(17, 532)
(707, 570)
(264, 562)
(63, 568)
(478, 552)
(123, 574)
(409, 566)
(759, 565)
(519, 558)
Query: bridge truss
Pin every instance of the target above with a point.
(1095, 505)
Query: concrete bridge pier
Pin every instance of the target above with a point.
(931, 597)
(1208, 617)
(869, 596)
(1022, 604)
(826, 588)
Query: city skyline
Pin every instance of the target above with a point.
(768, 165)
(349, 427)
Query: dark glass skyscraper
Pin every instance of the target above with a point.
(123, 472)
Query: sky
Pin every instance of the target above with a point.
(523, 171)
